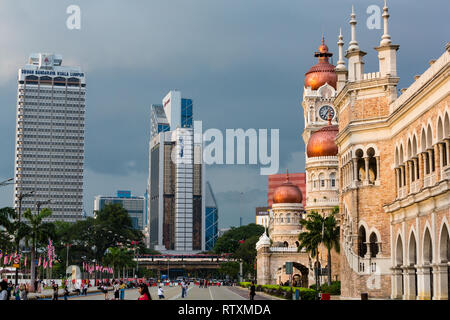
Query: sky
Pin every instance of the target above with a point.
(242, 63)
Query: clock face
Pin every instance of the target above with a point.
(323, 112)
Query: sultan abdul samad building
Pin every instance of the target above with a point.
(386, 155)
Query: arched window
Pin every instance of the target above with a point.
(286, 244)
(362, 248)
(321, 181)
(297, 244)
(73, 82)
(361, 167)
(333, 180)
(399, 260)
(45, 80)
(31, 80)
(59, 81)
(288, 218)
(372, 165)
(373, 245)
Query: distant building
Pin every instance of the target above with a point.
(134, 206)
(276, 180)
(176, 183)
(49, 154)
(262, 216)
(212, 216)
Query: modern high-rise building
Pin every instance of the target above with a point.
(134, 205)
(49, 153)
(176, 183)
(211, 219)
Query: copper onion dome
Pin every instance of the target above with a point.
(323, 72)
(321, 143)
(287, 192)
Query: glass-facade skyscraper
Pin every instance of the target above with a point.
(49, 149)
(211, 219)
(176, 206)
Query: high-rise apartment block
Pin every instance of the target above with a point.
(49, 153)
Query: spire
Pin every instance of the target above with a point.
(353, 43)
(287, 175)
(323, 38)
(386, 38)
(341, 63)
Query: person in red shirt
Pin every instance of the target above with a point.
(144, 293)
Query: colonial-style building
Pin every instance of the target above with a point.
(284, 227)
(394, 168)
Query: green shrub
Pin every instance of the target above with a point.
(334, 289)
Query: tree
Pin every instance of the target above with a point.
(38, 232)
(118, 258)
(7, 226)
(331, 238)
(312, 237)
(229, 242)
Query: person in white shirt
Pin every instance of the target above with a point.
(3, 290)
(160, 292)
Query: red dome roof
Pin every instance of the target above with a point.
(323, 72)
(287, 193)
(321, 143)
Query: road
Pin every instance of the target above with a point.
(174, 293)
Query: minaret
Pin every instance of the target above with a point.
(354, 54)
(341, 70)
(387, 52)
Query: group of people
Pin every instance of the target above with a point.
(19, 291)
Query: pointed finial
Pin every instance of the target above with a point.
(353, 44)
(341, 63)
(386, 38)
(287, 175)
(323, 38)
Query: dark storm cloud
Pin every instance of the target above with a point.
(242, 62)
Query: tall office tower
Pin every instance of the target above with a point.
(211, 219)
(134, 205)
(49, 152)
(176, 179)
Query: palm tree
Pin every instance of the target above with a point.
(331, 238)
(7, 226)
(311, 239)
(38, 232)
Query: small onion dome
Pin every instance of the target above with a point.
(323, 72)
(287, 192)
(264, 241)
(321, 143)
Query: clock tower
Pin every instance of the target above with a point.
(319, 92)
(319, 134)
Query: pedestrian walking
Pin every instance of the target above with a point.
(252, 292)
(183, 288)
(144, 293)
(9, 290)
(122, 290)
(17, 291)
(55, 291)
(24, 292)
(116, 290)
(3, 290)
(160, 292)
(66, 292)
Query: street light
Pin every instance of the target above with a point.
(33, 251)
(20, 197)
(6, 182)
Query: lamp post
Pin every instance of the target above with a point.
(33, 251)
(6, 182)
(20, 197)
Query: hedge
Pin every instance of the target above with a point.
(284, 292)
(334, 289)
